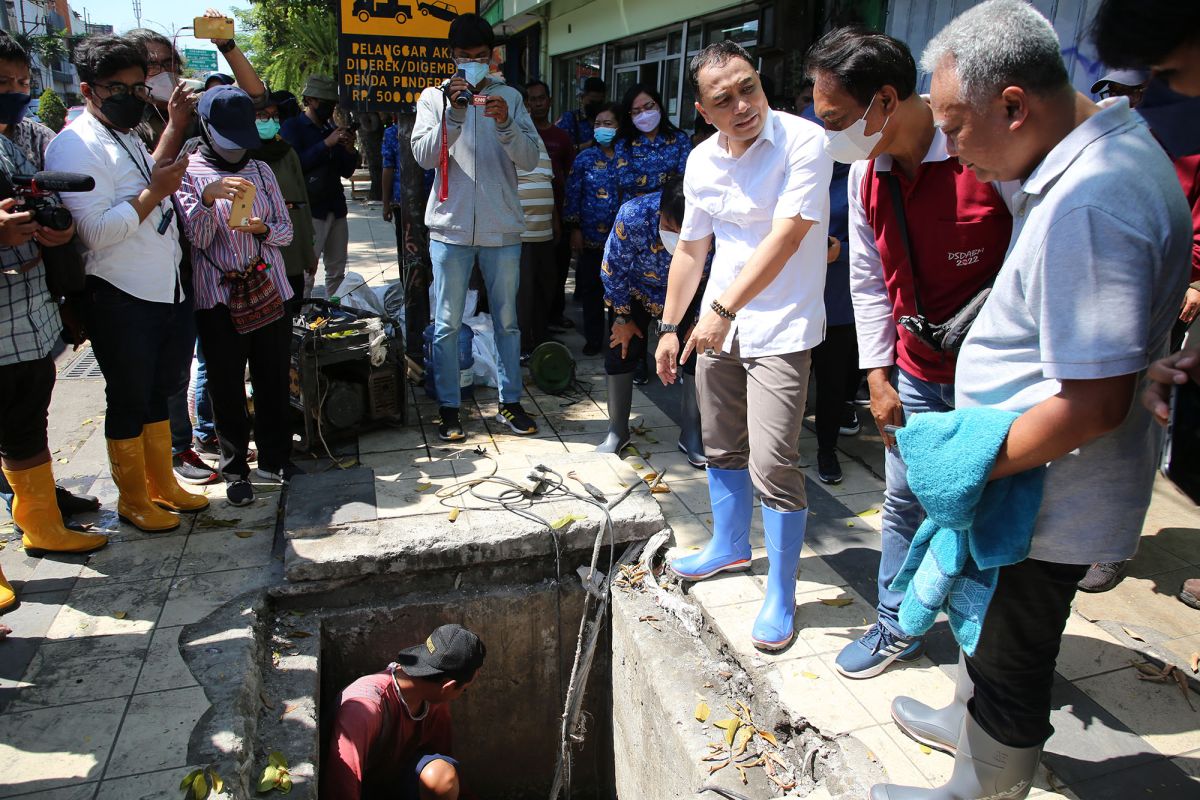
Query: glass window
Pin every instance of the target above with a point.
(627, 53)
(655, 50)
(695, 39)
(670, 88)
(743, 30)
(624, 79)
(570, 73)
(674, 42)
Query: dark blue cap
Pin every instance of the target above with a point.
(229, 115)
(226, 80)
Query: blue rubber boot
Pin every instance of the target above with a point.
(784, 535)
(732, 497)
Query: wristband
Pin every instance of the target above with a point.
(227, 47)
(722, 311)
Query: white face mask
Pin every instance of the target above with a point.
(670, 240)
(474, 72)
(647, 120)
(853, 143)
(162, 85)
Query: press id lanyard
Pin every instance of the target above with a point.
(140, 163)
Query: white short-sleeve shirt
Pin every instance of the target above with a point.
(784, 174)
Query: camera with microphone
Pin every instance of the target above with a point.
(35, 194)
(465, 97)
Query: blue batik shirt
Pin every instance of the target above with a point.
(391, 160)
(644, 165)
(636, 261)
(592, 199)
(577, 126)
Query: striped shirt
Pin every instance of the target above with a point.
(216, 248)
(536, 190)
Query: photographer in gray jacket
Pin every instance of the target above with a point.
(474, 131)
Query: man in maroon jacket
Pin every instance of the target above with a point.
(925, 237)
(392, 735)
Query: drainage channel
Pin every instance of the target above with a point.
(359, 590)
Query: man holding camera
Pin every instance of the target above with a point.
(476, 133)
(29, 329)
(925, 238)
(327, 154)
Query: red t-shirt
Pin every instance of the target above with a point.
(1188, 169)
(562, 156)
(958, 228)
(375, 743)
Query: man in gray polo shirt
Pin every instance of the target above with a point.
(1085, 300)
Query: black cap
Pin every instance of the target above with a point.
(451, 649)
(593, 84)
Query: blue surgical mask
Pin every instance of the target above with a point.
(267, 128)
(604, 136)
(474, 72)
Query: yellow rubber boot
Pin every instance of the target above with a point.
(35, 511)
(128, 462)
(8, 597)
(164, 489)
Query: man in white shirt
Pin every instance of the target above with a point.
(762, 189)
(134, 292)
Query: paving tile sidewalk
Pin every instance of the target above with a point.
(96, 702)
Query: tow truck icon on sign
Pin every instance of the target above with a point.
(439, 9)
(366, 9)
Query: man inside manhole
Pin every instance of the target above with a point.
(392, 734)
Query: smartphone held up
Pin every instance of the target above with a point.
(213, 27)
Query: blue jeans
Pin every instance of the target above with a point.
(902, 513)
(501, 268)
(181, 419)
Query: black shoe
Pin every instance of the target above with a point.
(70, 503)
(239, 493)
(282, 475)
(512, 415)
(828, 468)
(449, 427)
(1103, 576)
(592, 349)
(207, 447)
(640, 376)
(561, 324)
(850, 425)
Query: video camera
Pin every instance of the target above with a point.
(36, 194)
(465, 98)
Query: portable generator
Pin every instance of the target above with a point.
(347, 372)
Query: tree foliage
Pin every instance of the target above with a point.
(290, 40)
(52, 111)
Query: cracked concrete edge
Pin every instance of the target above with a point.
(843, 765)
(223, 652)
(433, 543)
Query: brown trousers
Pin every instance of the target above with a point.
(751, 410)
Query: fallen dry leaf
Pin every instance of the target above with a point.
(1195, 662)
(424, 487)
(870, 512)
(662, 488)
(243, 534)
(702, 712)
(837, 602)
(120, 614)
(849, 524)
(926, 750)
(649, 476)
(812, 676)
(563, 522)
(770, 737)
(1132, 635)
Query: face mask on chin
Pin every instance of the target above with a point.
(853, 144)
(162, 85)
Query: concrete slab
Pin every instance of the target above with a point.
(55, 747)
(119, 609)
(164, 666)
(155, 732)
(335, 497)
(1155, 711)
(81, 670)
(148, 786)
(192, 597)
(128, 562)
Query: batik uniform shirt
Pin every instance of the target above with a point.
(577, 126)
(592, 198)
(391, 160)
(645, 165)
(636, 262)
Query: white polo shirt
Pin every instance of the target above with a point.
(784, 174)
(127, 252)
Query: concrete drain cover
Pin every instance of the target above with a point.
(84, 367)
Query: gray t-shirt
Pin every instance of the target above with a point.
(1090, 288)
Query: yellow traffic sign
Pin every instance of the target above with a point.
(411, 19)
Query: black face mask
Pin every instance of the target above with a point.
(123, 111)
(592, 109)
(324, 110)
(13, 106)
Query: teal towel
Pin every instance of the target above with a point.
(972, 527)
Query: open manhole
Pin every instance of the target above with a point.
(83, 368)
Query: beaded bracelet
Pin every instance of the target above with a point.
(722, 311)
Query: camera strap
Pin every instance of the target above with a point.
(902, 220)
(444, 159)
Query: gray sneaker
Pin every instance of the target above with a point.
(1103, 576)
